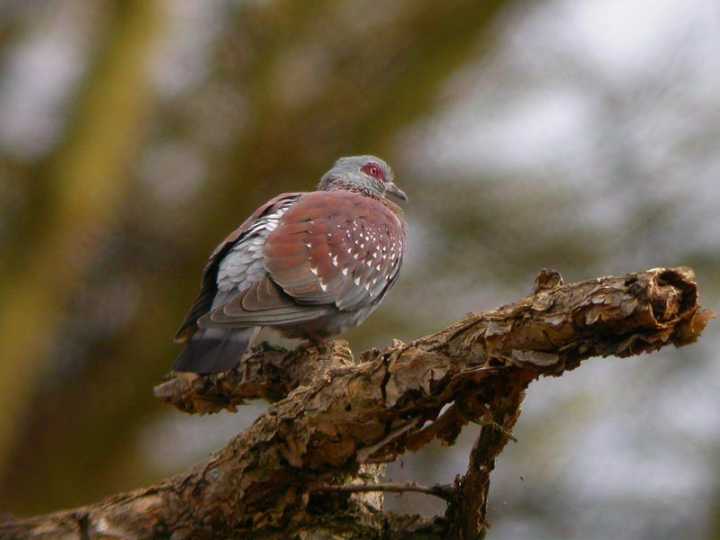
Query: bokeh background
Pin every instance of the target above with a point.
(581, 136)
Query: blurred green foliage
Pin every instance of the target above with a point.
(180, 120)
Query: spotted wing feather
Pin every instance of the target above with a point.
(337, 248)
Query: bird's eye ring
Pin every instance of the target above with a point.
(374, 170)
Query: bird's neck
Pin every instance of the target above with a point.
(356, 189)
(396, 209)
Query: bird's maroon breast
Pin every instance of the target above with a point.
(336, 247)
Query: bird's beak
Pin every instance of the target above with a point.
(394, 192)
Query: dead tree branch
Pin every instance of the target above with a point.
(333, 415)
(444, 492)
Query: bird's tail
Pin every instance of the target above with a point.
(211, 350)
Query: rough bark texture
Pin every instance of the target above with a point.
(333, 415)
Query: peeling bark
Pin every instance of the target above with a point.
(333, 415)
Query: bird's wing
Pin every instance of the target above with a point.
(243, 242)
(262, 304)
(337, 248)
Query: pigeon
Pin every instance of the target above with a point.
(308, 265)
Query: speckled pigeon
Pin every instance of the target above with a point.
(309, 265)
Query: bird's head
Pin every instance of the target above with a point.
(367, 174)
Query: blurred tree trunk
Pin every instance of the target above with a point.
(88, 180)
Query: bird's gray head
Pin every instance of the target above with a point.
(367, 174)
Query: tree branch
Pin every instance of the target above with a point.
(442, 491)
(332, 415)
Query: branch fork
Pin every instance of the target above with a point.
(292, 472)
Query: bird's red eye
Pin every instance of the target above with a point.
(374, 170)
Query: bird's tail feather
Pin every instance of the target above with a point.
(212, 350)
